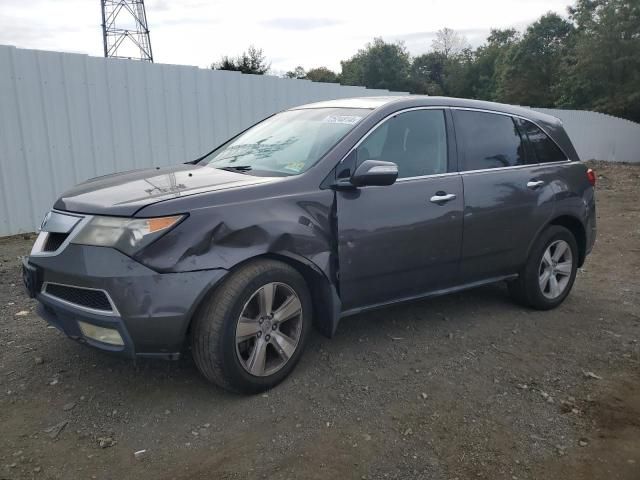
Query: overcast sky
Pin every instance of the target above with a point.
(291, 32)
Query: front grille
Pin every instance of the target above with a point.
(94, 299)
(54, 241)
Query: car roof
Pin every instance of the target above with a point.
(388, 105)
(410, 101)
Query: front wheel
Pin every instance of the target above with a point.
(250, 334)
(548, 276)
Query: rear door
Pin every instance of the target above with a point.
(404, 239)
(508, 196)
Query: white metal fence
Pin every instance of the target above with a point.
(65, 118)
(598, 136)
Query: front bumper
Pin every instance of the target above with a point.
(151, 311)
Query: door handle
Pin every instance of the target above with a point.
(441, 197)
(533, 184)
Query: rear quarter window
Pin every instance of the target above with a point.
(544, 148)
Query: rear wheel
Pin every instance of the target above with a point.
(548, 276)
(250, 334)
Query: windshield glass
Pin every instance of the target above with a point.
(287, 143)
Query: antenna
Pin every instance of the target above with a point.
(124, 30)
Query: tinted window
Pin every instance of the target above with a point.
(545, 149)
(416, 141)
(488, 140)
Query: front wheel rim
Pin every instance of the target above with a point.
(269, 329)
(556, 267)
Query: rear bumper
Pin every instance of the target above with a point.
(151, 311)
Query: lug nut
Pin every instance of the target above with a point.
(274, 326)
(261, 320)
(259, 334)
(267, 338)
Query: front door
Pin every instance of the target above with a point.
(401, 240)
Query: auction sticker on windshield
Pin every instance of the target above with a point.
(346, 119)
(295, 166)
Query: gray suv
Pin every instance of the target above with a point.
(314, 214)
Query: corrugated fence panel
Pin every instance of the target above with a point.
(65, 118)
(598, 136)
(13, 167)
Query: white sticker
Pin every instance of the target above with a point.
(346, 119)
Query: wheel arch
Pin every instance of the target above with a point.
(577, 228)
(324, 297)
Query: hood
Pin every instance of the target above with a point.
(123, 194)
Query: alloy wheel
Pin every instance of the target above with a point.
(269, 329)
(555, 269)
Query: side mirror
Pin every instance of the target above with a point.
(374, 172)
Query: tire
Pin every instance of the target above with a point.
(527, 289)
(216, 336)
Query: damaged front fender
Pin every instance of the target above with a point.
(299, 229)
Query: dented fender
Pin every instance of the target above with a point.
(224, 234)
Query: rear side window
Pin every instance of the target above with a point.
(544, 148)
(488, 140)
(416, 141)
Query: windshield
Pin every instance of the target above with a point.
(287, 143)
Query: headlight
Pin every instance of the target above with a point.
(126, 234)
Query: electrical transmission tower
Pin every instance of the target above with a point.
(124, 30)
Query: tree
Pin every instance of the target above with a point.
(449, 43)
(602, 71)
(458, 78)
(589, 61)
(378, 65)
(297, 73)
(529, 72)
(446, 69)
(322, 74)
(428, 73)
(251, 61)
(488, 59)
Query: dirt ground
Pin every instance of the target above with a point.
(464, 386)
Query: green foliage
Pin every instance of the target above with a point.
(530, 70)
(378, 65)
(603, 70)
(251, 61)
(589, 61)
(297, 73)
(427, 73)
(322, 74)
(489, 62)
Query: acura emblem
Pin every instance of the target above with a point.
(45, 220)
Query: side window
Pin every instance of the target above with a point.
(488, 140)
(545, 149)
(416, 141)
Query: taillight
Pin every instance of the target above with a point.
(591, 176)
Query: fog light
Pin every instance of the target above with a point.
(101, 334)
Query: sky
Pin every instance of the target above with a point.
(291, 32)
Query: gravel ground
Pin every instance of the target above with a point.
(464, 386)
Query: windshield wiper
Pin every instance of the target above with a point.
(236, 168)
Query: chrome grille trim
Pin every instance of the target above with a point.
(59, 222)
(76, 224)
